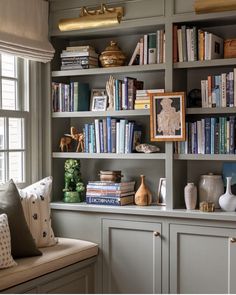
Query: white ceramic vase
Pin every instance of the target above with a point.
(228, 201)
(190, 196)
(211, 187)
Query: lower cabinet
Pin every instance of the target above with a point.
(202, 259)
(132, 257)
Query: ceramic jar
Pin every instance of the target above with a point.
(210, 188)
(113, 176)
(143, 196)
(190, 196)
(112, 56)
(228, 201)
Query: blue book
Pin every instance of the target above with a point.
(216, 90)
(207, 135)
(113, 136)
(213, 124)
(93, 142)
(109, 134)
(118, 201)
(231, 134)
(117, 106)
(86, 128)
(101, 135)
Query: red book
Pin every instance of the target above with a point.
(175, 45)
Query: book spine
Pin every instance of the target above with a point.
(216, 139)
(104, 126)
(231, 89)
(117, 137)
(207, 135)
(86, 128)
(145, 49)
(213, 121)
(109, 201)
(152, 48)
(131, 93)
(234, 87)
(231, 134)
(175, 44)
(141, 51)
(97, 135)
(195, 43)
(113, 135)
(209, 80)
(184, 42)
(223, 90)
(122, 136)
(180, 46)
(101, 137)
(126, 150)
(109, 149)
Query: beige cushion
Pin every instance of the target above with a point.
(35, 200)
(66, 252)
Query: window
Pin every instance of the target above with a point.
(14, 116)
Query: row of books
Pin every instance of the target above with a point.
(79, 57)
(191, 44)
(219, 90)
(150, 49)
(110, 193)
(142, 100)
(124, 93)
(209, 136)
(110, 135)
(71, 97)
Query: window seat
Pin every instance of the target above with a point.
(65, 253)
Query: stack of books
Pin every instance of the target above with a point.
(142, 100)
(110, 135)
(150, 49)
(110, 193)
(79, 57)
(191, 44)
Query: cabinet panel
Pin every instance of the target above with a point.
(131, 257)
(183, 6)
(201, 259)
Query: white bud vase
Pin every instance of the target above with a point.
(190, 196)
(228, 200)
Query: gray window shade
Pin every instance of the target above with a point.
(24, 29)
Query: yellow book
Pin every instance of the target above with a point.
(138, 101)
(142, 106)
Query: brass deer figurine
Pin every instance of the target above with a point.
(65, 142)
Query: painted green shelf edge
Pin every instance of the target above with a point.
(205, 63)
(205, 157)
(218, 110)
(128, 113)
(132, 156)
(109, 71)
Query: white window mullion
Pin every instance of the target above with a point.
(1, 82)
(6, 139)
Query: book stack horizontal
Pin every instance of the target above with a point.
(219, 90)
(111, 135)
(110, 193)
(209, 136)
(142, 100)
(191, 44)
(79, 57)
(71, 97)
(150, 49)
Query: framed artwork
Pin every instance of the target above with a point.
(167, 116)
(95, 93)
(161, 193)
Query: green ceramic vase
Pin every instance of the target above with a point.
(72, 197)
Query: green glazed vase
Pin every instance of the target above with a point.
(72, 197)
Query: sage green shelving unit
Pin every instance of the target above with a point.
(144, 17)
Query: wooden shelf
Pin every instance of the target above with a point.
(110, 71)
(128, 113)
(219, 110)
(132, 156)
(205, 157)
(205, 63)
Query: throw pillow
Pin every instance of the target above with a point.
(35, 200)
(6, 260)
(22, 242)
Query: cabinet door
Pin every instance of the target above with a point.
(131, 257)
(202, 259)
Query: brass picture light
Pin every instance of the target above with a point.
(93, 18)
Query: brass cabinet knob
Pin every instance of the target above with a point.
(233, 240)
(156, 233)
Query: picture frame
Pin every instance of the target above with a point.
(167, 116)
(95, 92)
(161, 193)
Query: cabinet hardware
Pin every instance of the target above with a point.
(156, 234)
(233, 240)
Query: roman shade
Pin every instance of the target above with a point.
(24, 29)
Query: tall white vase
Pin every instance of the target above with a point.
(228, 200)
(190, 196)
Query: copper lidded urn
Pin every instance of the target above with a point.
(143, 196)
(112, 56)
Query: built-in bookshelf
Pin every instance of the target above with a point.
(176, 76)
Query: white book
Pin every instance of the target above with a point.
(135, 53)
(192, 45)
(203, 93)
(188, 37)
(199, 137)
(180, 46)
(117, 137)
(80, 48)
(215, 47)
(158, 46)
(79, 53)
(206, 48)
(223, 90)
(208, 103)
(164, 48)
(145, 49)
(141, 51)
(122, 136)
(97, 136)
(127, 127)
(124, 106)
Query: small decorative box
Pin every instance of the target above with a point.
(230, 48)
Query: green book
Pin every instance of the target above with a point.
(152, 48)
(81, 97)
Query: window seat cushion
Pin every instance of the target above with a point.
(66, 252)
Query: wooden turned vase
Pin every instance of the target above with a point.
(143, 196)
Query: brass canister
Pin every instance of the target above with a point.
(112, 56)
